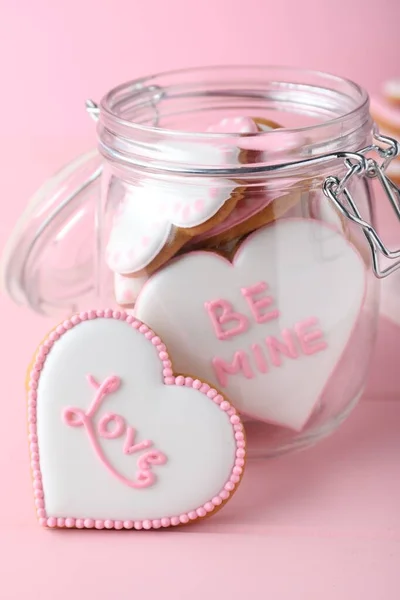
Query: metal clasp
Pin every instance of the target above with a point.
(338, 192)
(358, 164)
(92, 109)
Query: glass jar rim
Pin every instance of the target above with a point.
(340, 106)
(111, 99)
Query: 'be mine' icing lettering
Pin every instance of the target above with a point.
(268, 328)
(308, 339)
(234, 125)
(240, 363)
(270, 352)
(221, 313)
(258, 306)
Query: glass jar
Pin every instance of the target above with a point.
(215, 214)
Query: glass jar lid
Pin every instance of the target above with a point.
(49, 260)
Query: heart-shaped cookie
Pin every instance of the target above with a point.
(117, 440)
(268, 328)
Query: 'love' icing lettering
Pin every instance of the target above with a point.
(305, 338)
(112, 426)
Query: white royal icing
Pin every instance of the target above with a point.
(234, 125)
(201, 153)
(127, 289)
(145, 221)
(193, 433)
(323, 210)
(306, 271)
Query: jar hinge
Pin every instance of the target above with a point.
(360, 165)
(93, 109)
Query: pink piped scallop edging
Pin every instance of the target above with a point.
(169, 379)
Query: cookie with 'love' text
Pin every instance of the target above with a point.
(117, 439)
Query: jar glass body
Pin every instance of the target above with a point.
(225, 244)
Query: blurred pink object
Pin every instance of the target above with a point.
(234, 125)
(273, 142)
(386, 112)
(391, 89)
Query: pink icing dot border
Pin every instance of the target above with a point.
(169, 379)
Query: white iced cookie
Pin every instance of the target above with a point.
(154, 223)
(242, 125)
(127, 289)
(270, 327)
(156, 219)
(204, 153)
(232, 125)
(321, 208)
(117, 440)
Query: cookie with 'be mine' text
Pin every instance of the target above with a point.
(268, 326)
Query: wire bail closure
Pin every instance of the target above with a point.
(336, 190)
(360, 165)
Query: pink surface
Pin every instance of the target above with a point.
(323, 524)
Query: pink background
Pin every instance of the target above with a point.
(323, 524)
(54, 54)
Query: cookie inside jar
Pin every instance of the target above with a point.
(157, 221)
(221, 239)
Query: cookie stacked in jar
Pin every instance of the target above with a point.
(218, 236)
